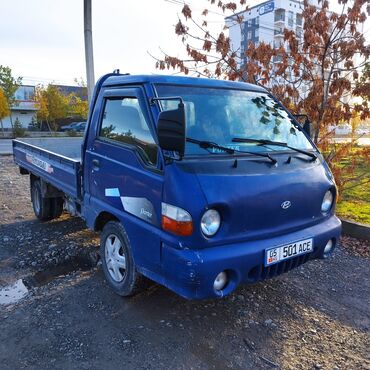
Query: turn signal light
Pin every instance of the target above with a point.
(176, 220)
(177, 227)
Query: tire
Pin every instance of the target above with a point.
(41, 205)
(45, 209)
(117, 261)
(56, 206)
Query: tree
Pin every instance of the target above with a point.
(362, 86)
(321, 72)
(77, 106)
(4, 108)
(18, 129)
(323, 60)
(52, 104)
(57, 104)
(81, 83)
(9, 86)
(42, 102)
(314, 73)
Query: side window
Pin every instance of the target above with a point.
(123, 121)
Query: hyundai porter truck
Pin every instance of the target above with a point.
(198, 184)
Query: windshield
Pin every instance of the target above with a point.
(219, 115)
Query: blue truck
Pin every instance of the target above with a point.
(198, 184)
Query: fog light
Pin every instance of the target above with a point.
(220, 281)
(328, 247)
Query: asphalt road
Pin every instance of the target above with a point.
(6, 146)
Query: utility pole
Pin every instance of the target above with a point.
(89, 55)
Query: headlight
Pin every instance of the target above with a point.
(327, 202)
(210, 222)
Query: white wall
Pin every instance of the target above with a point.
(235, 36)
(24, 118)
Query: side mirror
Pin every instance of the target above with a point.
(307, 126)
(171, 129)
(305, 123)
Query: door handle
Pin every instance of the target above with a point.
(95, 163)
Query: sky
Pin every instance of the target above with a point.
(43, 40)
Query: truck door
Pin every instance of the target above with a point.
(124, 174)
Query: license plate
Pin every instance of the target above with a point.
(278, 254)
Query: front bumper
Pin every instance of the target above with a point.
(191, 273)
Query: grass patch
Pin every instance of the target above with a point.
(354, 210)
(354, 202)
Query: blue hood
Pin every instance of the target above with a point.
(249, 196)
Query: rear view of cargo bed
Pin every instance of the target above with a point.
(57, 161)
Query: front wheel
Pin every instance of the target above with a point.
(117, 260)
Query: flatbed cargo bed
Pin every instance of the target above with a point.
(55, 160)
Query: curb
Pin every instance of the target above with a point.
(355, 229)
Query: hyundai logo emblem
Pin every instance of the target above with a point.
(286, 204)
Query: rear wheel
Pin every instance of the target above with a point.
(41, 205)
(117, 261)
(56, 206)
(45, 208)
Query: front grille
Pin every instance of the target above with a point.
(261, 272)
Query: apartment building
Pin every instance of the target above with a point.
(265, 22)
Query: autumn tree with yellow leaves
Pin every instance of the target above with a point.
(53, 105)
(4, 108)
(9, 85)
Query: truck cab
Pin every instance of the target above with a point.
(200, 185)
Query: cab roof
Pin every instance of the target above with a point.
(179, 80)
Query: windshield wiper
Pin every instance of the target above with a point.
(209, 144)
(276, 143)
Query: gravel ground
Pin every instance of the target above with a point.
(315, 317)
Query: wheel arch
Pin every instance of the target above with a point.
(102, 219)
